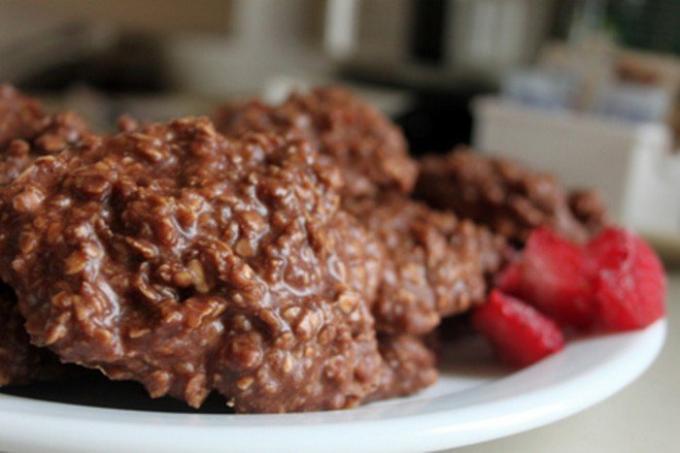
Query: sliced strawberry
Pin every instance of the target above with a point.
(519, 334)
(552, 274)
(511, 279)
(629, 282)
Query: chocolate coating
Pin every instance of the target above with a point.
(589, 209)
(20, 363)
(410, 366)
(434, 264)
(27, 132)
(419, 284)
(370, 150)
(510, 199)
(20, 116)
(189, 262)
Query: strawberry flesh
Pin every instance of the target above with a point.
(553, 275)
(629, 281)
(519, 334)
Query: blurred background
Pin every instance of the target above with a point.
(588, 89)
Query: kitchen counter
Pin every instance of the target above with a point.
(644, 417)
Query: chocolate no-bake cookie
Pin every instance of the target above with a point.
(26, 133)
(189, 262)
(20, 363)
(589, 209)
(410, 365)
(19, 115)
(421, 281)
(370, 150)
(435, 264)
(509, 198)
(281, 264)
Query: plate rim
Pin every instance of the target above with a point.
(65, 425)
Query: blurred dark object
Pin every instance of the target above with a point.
(133, 64)
(640, 24)
(437, 122)
(444, 52)
(647, 24)
(439, 116)
(439, 44)
(429, 19)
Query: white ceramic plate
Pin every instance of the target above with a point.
(474, 401)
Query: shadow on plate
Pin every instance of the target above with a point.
(462, 355)
(93, 389)
(470, 357)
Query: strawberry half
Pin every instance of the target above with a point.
(519, 334)
(629, 281)
(553, 275)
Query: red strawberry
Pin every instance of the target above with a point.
(552, 274)
(629, 282)
(519, 334)
(511, 279)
